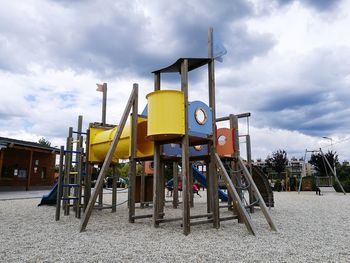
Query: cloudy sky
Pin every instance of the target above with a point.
(287, 63)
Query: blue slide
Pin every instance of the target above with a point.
(51, 197)
(197, 175)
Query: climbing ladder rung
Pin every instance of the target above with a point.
(70, 198)
(71, 185)
(73, 172)
(75, 141)
(71, 151)
(77, 132)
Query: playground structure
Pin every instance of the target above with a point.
(324, 184)
(171, 129)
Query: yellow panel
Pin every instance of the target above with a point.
(166, 114)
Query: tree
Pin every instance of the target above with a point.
(321, 165)
(44, 142)
(278, 161)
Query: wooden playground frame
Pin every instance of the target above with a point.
(215, 166)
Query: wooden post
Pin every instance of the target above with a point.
(212, 144)
(79, 165)
(67, 170)
(143, 182)
(1, 160)
(100, 195)
(114, 189)
(59, 184)
(236, 175)
(236, 199)
(257, 195)
(162, 189)
(133, 148)
(107, 162)
(208, 188)
(30, 170)
(191, 183)
(88, 170)
(156, 184)
(185, 153)
(176, 185)
(249, 160)
(156, 161)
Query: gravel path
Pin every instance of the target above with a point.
(311, 229)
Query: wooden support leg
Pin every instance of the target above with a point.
(114, 189)
(191, 183)
(143, 185)
(176, 185)
(208, 188)
(156, 184)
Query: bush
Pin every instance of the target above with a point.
(345, 184)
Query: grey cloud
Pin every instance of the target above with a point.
(320, 5)
(110, 38)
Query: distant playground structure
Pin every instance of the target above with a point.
(173, 130)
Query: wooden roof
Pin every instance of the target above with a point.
(193, 63)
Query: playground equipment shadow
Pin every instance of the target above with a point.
(312, 229)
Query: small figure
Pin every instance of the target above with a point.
(195, 188)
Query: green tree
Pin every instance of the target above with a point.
(343, 172)
(44, 142)
(321, 165)
(278, 161)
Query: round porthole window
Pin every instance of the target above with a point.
(222, 140)
(200, 116)
(198, 147)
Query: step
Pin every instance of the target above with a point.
(71, 185)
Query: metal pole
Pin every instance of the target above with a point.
(104, 103)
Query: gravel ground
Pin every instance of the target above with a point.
(311, 229)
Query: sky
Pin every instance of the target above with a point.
(287, 63)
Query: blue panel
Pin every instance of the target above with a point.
(195, 128)
(200, 151)
(172, 149)
(175, 150)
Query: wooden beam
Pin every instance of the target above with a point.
(236, 176)
(114, 188)
(227, 118)
(142, 186)
(212, 144)
(107, 161)
(30, 170)
(257, 195)
(185, 153)
(1, 160)
(59, 184)
(88, 168)
(133, 149)
(176, 185)
(236, 199)
(156, 162)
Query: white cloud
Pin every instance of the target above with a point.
(287, 64)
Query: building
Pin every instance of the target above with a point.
(26, 165)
